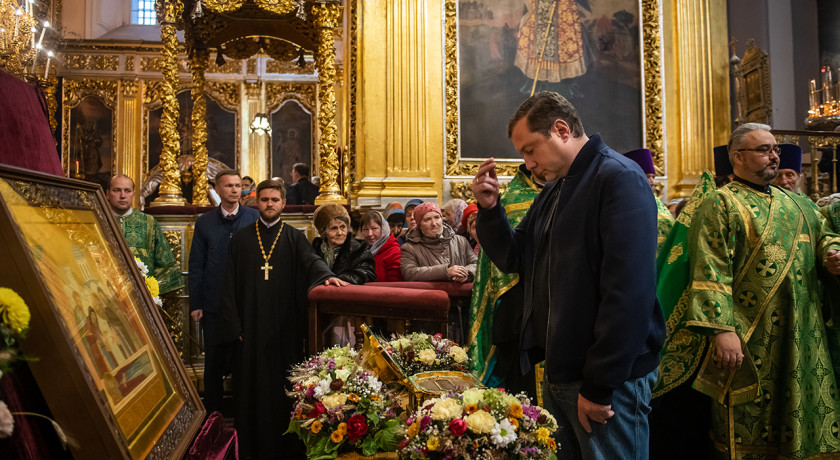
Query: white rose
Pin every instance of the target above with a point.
(481, 422)
(334, 400)
(446, 409)
(427, 356)
(458, 354)
(322, 388)
(342, 374)
(472, 396)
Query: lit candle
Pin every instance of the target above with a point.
(35, 58)
(30, 5)
(812, 94)
(32, 36)
(44, 29)
(2, 38)
(47, 68)
(18, 13)
(77, 167)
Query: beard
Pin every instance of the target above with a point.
(269, 215)
(768, 174)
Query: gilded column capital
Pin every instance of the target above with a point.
(198, 66)
(326, 16)
(129, 88)
(253, 89)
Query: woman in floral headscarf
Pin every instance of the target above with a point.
(453, 210)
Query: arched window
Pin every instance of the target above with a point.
(143, 12)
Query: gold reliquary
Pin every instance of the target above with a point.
(420, 386)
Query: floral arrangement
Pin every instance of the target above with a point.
(151, 283)
(338, 406)
(14, 323)
(419, 352)
(479, 423)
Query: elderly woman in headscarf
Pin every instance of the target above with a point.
(453, 210)
(347, 257)
(383, 245)
(433, 252)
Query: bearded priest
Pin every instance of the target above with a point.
(271, 267)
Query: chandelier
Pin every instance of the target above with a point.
(22, 47)
(260, 124)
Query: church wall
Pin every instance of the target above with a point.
(787, 31)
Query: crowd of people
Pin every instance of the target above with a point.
(714, 327)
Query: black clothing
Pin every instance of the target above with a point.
(353, 263)
(586, 251)
(302, 192)
(208, 256)
(270, 316)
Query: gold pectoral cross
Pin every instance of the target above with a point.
(266, 268)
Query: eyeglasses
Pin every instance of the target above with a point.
(764, 149)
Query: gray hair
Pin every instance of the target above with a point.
(737, 137)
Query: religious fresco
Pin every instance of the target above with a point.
(221, 131)
(291, 139)
(91, 128)
(591, 55)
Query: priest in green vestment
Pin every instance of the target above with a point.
(143, 235)
(496, 306)
(754, 298)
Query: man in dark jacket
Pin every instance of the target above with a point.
(301, 191)
(208, 255)
(585, 252)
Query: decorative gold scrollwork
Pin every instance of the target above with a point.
(276, 6)
(326, 17)
(223, 6)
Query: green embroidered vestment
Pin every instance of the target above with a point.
(149, 244)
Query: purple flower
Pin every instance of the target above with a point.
(310, 392)
(533, 412)
(424, 422)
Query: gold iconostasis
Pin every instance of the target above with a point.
(422, 94)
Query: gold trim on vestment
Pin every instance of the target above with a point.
(746, 215)
(518, 206)
(487, 362)
(711, 286)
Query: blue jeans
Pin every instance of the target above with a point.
(624, 436)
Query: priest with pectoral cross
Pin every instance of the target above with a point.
(271, 267)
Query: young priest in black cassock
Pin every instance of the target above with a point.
(271, 267)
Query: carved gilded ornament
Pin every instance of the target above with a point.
(652, 69)
(286, 67)
(170, 186)
(652, 66)
(351, 91)
(155, 64)
(129, 88)
(326, 17)
(251, 66)
(225, 93)
(198, 65)
(276, 6)
(76, 90)
(278, 93)
(231, 66)
(90, 62)
(73, 93)
(52, 101)
(223, 6)
(129, 63)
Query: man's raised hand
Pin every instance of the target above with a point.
(485, 185)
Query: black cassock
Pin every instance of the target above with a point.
(271, 317)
